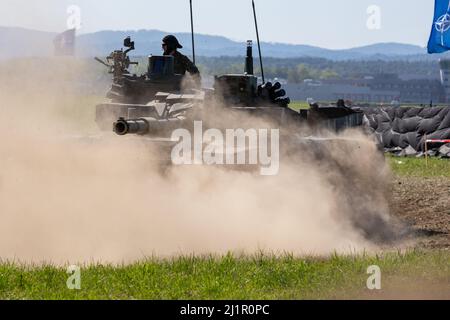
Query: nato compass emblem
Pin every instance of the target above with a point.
(442, 24)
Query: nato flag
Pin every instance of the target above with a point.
(440, 32)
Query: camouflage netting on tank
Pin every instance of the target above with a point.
(403, 130)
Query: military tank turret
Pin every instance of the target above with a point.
(159, 100)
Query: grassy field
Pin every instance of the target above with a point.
(229, 277)
(297, 105)
(418, 167)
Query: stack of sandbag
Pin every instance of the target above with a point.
(403, 131)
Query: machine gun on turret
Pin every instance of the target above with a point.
(118, 61)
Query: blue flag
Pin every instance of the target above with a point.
(440, 32)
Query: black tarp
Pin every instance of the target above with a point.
(403, 130)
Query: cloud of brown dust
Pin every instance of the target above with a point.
(66, 196)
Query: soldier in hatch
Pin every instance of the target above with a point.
(182, 63)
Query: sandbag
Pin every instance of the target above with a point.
(428, 126)
(406, 128)
(445, 123)
(408, 125)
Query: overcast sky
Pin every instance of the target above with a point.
(332, 24)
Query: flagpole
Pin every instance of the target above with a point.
(192, 32)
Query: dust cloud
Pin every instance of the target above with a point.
(71, 194)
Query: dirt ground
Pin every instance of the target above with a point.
(424, 204)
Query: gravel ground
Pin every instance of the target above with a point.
(424, 204)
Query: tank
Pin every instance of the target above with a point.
(151, 106)
(157, 102)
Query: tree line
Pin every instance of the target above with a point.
(295, 70)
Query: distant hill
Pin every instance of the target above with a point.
(19, 42)
(393, 49)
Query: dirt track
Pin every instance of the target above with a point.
(424, 204)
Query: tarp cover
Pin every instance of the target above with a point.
(404, 130)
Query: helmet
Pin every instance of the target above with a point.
(172, 42)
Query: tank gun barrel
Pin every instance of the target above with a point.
(136, 126)
(142, 126)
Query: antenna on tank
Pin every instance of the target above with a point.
(192, 32)
(259, 45)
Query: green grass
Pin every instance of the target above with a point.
(298, 105)
(227, 277)
(418, 167)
